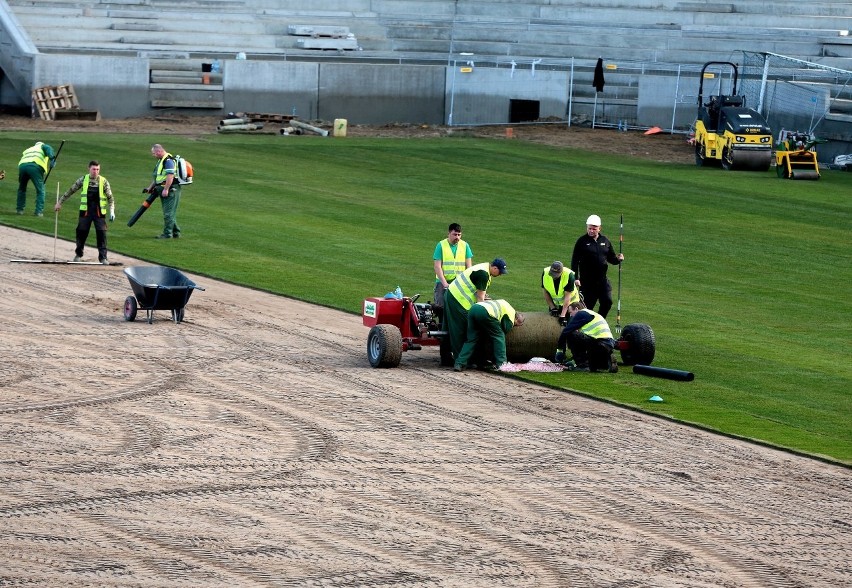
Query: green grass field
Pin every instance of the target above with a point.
(743, 277)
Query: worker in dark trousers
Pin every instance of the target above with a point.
(96, 202)
(589, 261)
(33, 167)
(467, 289)
(489, 320)
(589, 338)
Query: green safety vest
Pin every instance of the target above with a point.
(463, 289)
(84, 203)
(35, 155)
(160, 175)
(497, 309)
(452, 264)
(596, 328)
(557, 292)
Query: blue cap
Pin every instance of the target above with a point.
(500, 264)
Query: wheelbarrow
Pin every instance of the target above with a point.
(157, 288)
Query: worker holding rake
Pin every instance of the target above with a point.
(96, 201)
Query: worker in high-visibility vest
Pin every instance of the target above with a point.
(33, 167)
(452, 256)
(559, 290)
(589, 337)
(489, 320)
(467, 289)
(96, 206)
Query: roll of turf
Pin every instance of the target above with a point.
(537, 337)
(666, 373)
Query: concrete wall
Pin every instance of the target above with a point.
(280, 87)
(484, 95)
(17, 56)
(371, 94)
(115, 86)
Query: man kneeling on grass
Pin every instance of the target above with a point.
(588, 336)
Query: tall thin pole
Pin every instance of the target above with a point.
(55, 223)
(618, 308)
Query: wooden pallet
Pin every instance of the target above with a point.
(49, 99)
(267, 117)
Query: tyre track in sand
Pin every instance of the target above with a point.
(253, 445)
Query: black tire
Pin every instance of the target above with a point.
(384, 346)
(700, 160)
(641, 345)
(130, 308)
(727, 159)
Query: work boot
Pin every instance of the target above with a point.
(560, 357)
(163, 237)
(613, 365)
(78, 258)
(458, 368)
(582, 367)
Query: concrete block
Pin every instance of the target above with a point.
(328, 44)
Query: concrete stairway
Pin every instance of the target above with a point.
(628, 33)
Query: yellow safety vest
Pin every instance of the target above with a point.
(84, 203)
(497, 309)
(452, 264)
(35, 155)
(160, 175)
(463, 289)
(596, 328)
(558, 292)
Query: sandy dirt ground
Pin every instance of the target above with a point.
(253, 445)
(659, 147)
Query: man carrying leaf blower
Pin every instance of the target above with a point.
(165, 186)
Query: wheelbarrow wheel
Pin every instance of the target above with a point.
(177, 315)
(130, 308)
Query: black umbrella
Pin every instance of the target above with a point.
(598, 82)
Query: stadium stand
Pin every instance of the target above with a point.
(424, 32)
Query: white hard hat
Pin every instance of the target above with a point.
(594, 220)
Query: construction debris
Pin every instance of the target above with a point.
(255, 121)
(306, 127)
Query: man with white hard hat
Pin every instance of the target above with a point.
(589, 261)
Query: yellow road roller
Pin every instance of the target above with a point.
(795, 157)
(727, 132)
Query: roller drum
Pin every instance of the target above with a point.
(752, 159)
